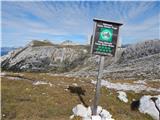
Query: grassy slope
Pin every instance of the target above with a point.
(22, 100)
(41, 43)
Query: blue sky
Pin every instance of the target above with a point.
(59, 21)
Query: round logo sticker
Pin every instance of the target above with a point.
(106, 34)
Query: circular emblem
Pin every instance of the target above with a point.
(106, 34)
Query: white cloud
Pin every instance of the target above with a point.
(140, 8)
(142, 28)
(66, 18)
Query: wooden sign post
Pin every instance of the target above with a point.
(103, 43)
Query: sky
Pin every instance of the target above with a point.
(24, 21)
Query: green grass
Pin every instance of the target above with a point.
(22, 100)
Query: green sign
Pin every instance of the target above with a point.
(106, 34)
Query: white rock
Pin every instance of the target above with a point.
(96, 117)
(105, 115)
(89, 111)
(50, 84)
(66, 89)
(99, 109)
(39, 83)
(140, 82)
(71, 117)
(86, 118)
(14, 78)
(122, 96)
(80, 110)
(148, 106)
(75, 84)
(3, 74)
(24, 66)
(126, 86)
(42, 83)
(86, 113)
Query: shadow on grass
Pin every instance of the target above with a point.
(79, 91)
(135, 105)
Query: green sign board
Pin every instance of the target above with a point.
(105, 38)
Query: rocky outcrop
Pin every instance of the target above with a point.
(140, 50)
(37, 56)
(140, 61)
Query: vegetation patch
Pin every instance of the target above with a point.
(23, 100)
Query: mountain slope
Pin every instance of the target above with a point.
(140, 60)
(37, 56)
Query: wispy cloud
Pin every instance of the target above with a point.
(23, 21)
(140, 9)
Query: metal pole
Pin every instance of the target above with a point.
(98, 86)
(117, 47)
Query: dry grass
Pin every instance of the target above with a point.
(23, 101)
(155, 84)
(37, 43)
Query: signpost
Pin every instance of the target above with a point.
(103, 43)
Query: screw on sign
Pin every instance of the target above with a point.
(104, 43)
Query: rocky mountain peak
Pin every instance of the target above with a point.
(43, 56)
(68, 42)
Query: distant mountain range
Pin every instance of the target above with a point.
(34, 43)
(5, 50)
(68, 42)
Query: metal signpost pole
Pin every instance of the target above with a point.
(98, 85)
(104, 43)
(117, 47)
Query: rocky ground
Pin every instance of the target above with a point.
(47, 96)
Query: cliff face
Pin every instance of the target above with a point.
(142, 59)
(140, 50)
(37, 56)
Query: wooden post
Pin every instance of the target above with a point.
(98, 86)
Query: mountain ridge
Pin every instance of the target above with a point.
(77, 58)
